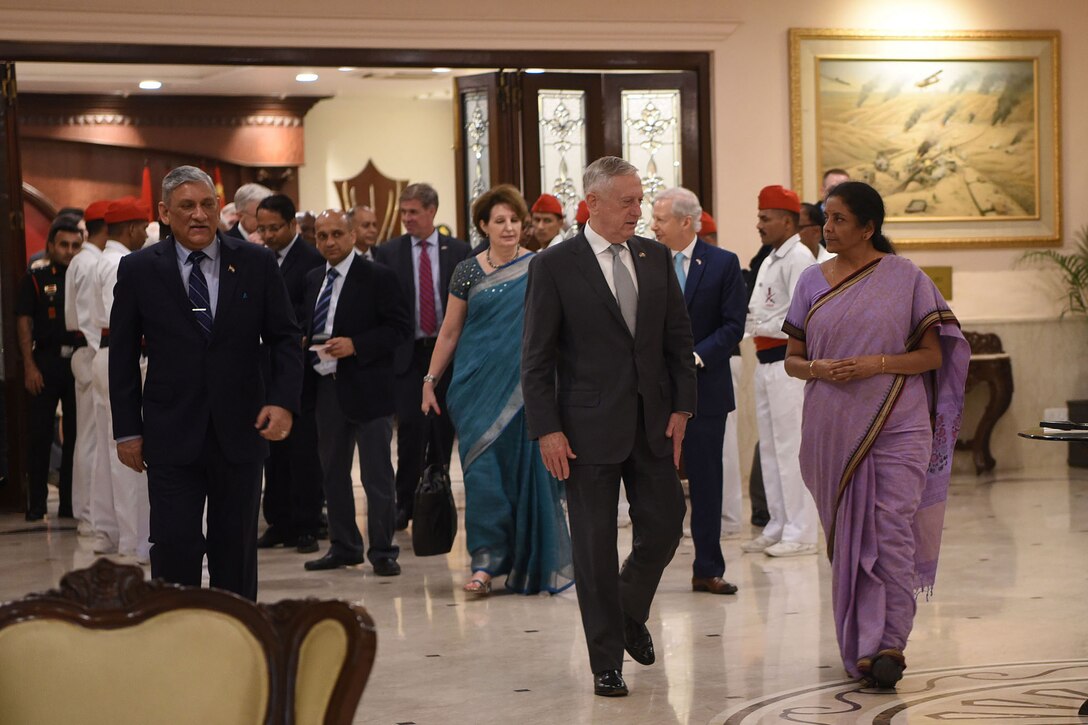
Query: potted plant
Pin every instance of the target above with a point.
(1072, 269)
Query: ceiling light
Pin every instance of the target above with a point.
(346, 68)
(150, 85)
(306, 77)
(440, 70)
(534, 71)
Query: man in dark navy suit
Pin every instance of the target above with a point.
(421, 254)
(199, 305)
(292, 473)
(717, 303)
(356, 315)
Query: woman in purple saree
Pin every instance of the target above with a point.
(885, 363)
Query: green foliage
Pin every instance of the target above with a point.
(1072, 269)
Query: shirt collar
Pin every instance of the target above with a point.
(786, 247)
(116, 246)
(432, 239)
(211, 251)
(343, 266)
(689, 250)
(282, 254)
(598, 243)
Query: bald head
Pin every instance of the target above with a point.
(365, 222)
(335, 235)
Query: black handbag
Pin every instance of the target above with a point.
(434, 514)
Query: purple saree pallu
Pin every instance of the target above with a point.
(877, 453)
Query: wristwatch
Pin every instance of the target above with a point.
(428, 378)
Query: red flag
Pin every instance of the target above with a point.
(145, 194)
(219, 185)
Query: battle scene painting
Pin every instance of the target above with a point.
(939, 139)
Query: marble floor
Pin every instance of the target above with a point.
(1004, 638)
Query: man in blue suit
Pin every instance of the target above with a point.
(717, 303)
(199, 304)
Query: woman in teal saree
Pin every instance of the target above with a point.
(514, 523)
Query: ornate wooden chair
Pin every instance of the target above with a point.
(110, 647)
(990, 364)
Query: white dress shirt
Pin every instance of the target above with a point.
(81, 298)
(775, 283)
(600, 247)
(106, 278)
(439, 302)
(327, 367)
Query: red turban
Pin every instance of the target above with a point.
(547, 204)
(778, 197)
(708, 227)
(582, 216)
(128, 209)
(96, 211)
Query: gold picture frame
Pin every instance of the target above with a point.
(960, 132)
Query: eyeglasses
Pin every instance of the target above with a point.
(271, 229)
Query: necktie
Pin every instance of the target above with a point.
(626, 295)
(321, 309)
(681, 275)
(198, 294)
(428, 320)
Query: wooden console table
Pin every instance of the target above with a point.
(990, 364)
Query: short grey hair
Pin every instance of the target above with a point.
(603, 170)
(684, 204)
(249, 193)
(184, 175)
(423, 193)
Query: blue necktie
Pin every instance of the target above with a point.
(678, 260)
(321, 310)
(198, 294)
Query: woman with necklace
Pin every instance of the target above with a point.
(514, 522)
(886, 364)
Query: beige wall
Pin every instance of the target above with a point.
(748, 43)
(406, 138)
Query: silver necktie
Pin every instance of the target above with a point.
(626, 295)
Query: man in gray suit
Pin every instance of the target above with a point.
(608, 375)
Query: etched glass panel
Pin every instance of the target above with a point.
(651, 141)
(477, 154)
(562, 117)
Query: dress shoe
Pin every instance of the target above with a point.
(306, 543)
(758, 544)
(273, 537)
(402, 520)
(332, 560)
(386, 567)
(712, 584)
(35, 515)
(637, 642)
(85, 529)
(609, 683)
(103, 545)
(790, 548)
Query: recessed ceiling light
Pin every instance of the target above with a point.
(440, 70)
(306, 77)
(150, 85)
(534, 71)
(346, 68)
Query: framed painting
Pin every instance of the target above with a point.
(960, 133)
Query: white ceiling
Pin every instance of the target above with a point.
(124, 79)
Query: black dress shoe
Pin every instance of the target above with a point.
(35, 515)
(637, 642)
(273, 537)
(386, 567)
(306, 543)
(402, 520)
(609, 683)
(332, 560)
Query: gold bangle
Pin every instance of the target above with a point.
(811, 371)
(881, 364)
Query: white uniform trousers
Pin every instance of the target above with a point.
(129, 520)
(83, 460)
(779, 399)
(732, 515)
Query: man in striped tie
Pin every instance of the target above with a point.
(198, 306)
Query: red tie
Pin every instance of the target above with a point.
(427, 318)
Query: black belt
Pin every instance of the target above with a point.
(771, 355)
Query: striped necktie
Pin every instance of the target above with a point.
(321, 310)
(428, 318)
(198, 294)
